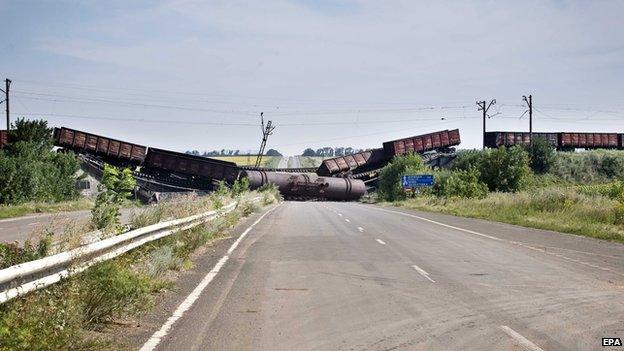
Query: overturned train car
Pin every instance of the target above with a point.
(308, 186)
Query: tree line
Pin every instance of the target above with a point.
(229, 152)
(329, 151)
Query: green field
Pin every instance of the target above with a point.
(267, 161)
(310, 161)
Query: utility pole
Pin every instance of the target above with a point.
(529, 102)
(265, 136)
(7, 83)
(485, 109)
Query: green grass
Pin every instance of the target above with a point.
(267, 161)
(569, 209)
(310, 161)
(9, 211)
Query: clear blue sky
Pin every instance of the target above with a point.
(196, 74)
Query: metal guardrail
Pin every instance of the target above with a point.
(30, 276)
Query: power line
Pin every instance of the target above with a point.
(122, 103)
(65, 98)
(361, 135)
(168, 93)
(141, 120)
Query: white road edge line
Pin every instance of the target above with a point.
(438, 223)
(524, 342)
(380, 241)
(501, 240)
(422, 272)
(360, 229)
(347, 220)
(188, 302)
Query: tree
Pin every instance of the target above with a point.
(308, 152)
(116, 186)
(36, 132)
(31, 171)
(505, 169)
(541, 155)
(389, 183)
(273, 152)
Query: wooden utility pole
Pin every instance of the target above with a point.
(265, 136)
(485, 109)
(529, 102)
(7, 83)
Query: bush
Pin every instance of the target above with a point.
(590, 166)
(28, 173)
(467, 159)
(240, 186)
(459, 183)
(389, 183)
(116, 186)
(541, 155)
(49, 319)
(12, 254)
(502, 169)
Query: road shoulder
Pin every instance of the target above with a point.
(137, 332)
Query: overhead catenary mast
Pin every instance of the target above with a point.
(266, 131)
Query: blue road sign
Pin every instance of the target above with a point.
(412, 181)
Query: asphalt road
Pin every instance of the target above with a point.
(346, 276)
(296, 163)
(21, 228)
(283, 162)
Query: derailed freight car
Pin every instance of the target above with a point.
(159, 160)
(361, 161)
(113, 150)
(308, 186)
(422, 143)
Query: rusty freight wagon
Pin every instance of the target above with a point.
(590, 140)
(161, 161)
(114, 151)
(497, 139)
(4, 139)
(360, 161)
(421, 143)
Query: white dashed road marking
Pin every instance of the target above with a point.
(504, 240)
(524, 342)
(422, 272)
(340, 214)
(381, 241)
(360, 229)
(347, 220)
